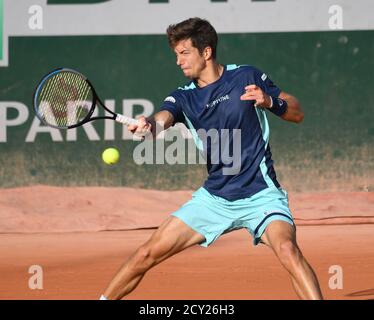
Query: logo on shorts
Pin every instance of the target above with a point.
(266, 213)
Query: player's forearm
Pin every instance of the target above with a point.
(294, 111)
(160, 121)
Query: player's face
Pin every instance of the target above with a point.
(189, 59)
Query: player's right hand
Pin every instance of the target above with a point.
(142, 128)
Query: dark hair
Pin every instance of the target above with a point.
(200, 31)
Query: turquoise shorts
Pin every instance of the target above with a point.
(213, 216)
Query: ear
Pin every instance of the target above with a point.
(207, 53)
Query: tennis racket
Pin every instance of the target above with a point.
(66, 99)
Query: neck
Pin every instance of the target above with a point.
(210, 74)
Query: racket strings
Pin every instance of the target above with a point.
(65, 99)
(84, 91)
(75, 92)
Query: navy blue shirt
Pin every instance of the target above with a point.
(228, 129)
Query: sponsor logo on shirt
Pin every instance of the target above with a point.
(217, 101)
(170, 99)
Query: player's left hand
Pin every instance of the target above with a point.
(252, 92)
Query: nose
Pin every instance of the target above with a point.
(179, 61)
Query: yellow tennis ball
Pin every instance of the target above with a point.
(110, 156)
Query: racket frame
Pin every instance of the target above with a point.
(88, 117)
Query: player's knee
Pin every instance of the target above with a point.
(288, 253)
(143, 259)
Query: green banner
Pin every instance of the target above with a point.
(330, 150)
(64, 2)
(1, 30)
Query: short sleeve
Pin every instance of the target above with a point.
(264, 82)
(173, 104)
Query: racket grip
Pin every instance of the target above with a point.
(125, 120)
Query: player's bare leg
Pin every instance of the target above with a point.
(170, 238)
(281, 237)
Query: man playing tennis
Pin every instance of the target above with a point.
(223, 97)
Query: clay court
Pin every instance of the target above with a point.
(83, 243)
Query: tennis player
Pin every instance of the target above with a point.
(223, 97)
